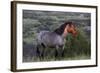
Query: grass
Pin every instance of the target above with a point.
(37, 59)
(76, 48)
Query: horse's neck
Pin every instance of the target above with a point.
(65, 33)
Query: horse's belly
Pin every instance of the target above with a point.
(52, 39)
(54, 42)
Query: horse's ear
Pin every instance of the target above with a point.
(69, 25)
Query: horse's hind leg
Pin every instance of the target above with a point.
(40, 51)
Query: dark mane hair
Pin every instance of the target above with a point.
(60, 30)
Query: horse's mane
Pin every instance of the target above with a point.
(60, 30)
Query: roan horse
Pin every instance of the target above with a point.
(55, 39)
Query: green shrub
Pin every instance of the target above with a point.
(79, 45)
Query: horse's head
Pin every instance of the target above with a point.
(66, 28)
(70, 28)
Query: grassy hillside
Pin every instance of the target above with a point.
(75, 48)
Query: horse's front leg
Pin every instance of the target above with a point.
(62, 53)
(63, 47)
(56, 51)
(59, 51)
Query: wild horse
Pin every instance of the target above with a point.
(55, 39)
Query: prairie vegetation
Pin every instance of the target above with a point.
(78, 48)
